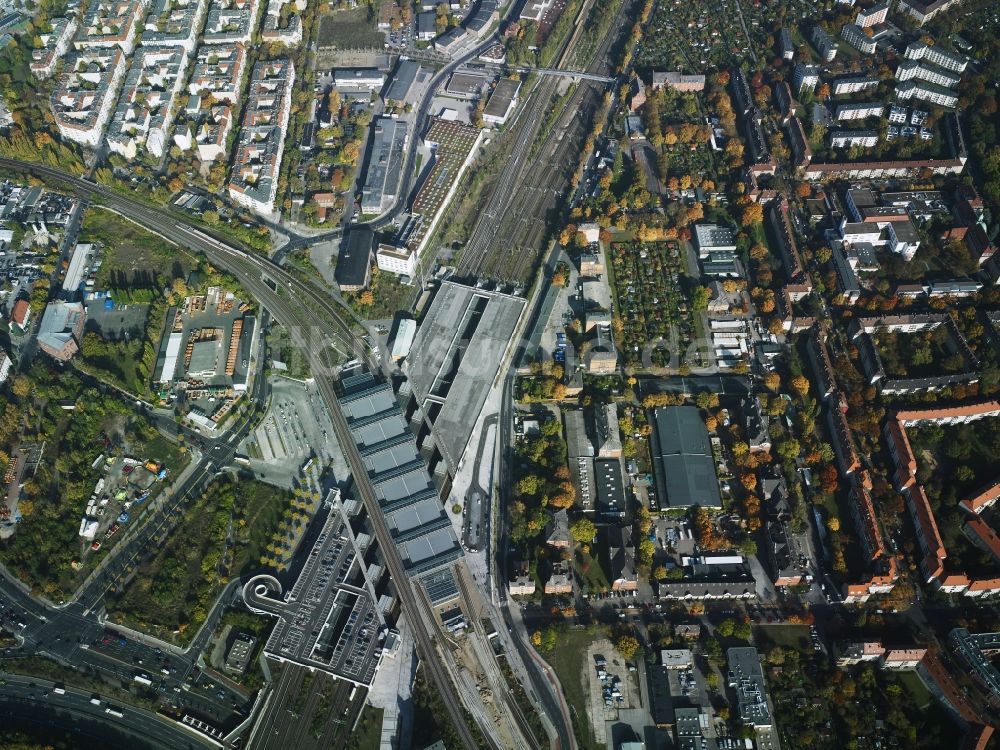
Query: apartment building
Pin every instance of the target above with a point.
(677, 81)
(230, 21)
(882, 169)
(85, 93)
(801, 152)
(823, 43)
(785, 44)
(55, 43)
(173, 23)
(778, 216)
(922, 71)
(216, 78)
(873, 15)
(147, 101)
(204, 127)
(853, 84)
(291, 34)
(253, 181)
(859, 111)
(111, 23)
(926, 92)
(850, 138)
(218, 70)
(857, 38)
(805, 77)
(936, 56)
(922, 12)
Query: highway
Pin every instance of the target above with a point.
(309, 318)
(31, 700)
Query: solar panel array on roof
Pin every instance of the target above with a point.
(441, 586)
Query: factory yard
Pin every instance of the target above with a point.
(204, 357)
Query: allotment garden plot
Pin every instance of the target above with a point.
(650, 298)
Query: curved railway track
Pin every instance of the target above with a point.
(298, 307)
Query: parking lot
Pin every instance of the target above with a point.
(297, 427)
(612, 685)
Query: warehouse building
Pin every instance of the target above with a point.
(683, 465)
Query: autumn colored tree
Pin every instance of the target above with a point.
(627, 646)
(583, 530)
(752, 214)
(800, 384)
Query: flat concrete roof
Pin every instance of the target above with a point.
(330, 620)
(470, 327)
(465, 83)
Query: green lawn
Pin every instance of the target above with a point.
(349, 29)
(915, 687)
(594, 580)
(367, 734)
(131, 253)
(788, 636)
(565, 659)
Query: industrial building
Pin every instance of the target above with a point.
(385, 165)
(61, 329)
(502, 101)
(683, 465)
(399, 476)
(457, 353)
(354, 262)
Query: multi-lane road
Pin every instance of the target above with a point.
(315, 324)
(27, 700)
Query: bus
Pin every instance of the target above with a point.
(114, 712)
(143, 680)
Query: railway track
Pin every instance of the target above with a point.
(297, 307)
(507, 239)
(484, 232)
(496, 677)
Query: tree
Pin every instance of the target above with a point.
(800, 384)
(367, 298)
(833, 524)
(789, 449)
(772, 381)
(752, 214)
(627, 646)
(707, 400)
(583, 530)
(21, 387)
